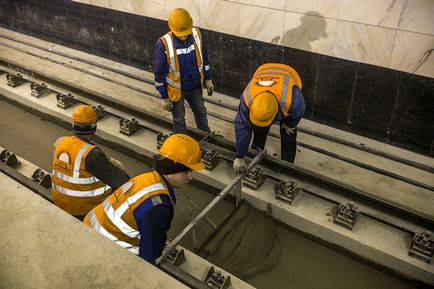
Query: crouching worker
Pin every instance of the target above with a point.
(272, 96)
(83, 176)
(138, 215)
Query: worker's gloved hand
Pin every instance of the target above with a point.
(239, 165)
(166, 104)
(289, 130)
(209, 87)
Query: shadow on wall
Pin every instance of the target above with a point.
(312, 27)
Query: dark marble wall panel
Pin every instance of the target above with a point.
(235, 64)
(116, 33)
(262, 52)
(233, 83)
(306, 65)
(94, 32)
(74, 21)
(235, 54)
(135, 40)
(374, 98)
(213, 42)
(413, 117)
(388, 105)
(334, 90)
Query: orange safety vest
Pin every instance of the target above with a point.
(114, 218)
(275, 78)
(74, 189)
(173, 77)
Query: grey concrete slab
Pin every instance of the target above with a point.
(384, 187)
(41, 247)
(373, 240)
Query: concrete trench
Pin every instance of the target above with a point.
(252, 247)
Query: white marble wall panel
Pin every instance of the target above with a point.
(100, 3)
(326, 8)
(219, 15)
(417, 16)
(384, 13)
(261, 23)
(364, 43)
(413, 58)
(361, 30)
(192, 6)
(149, 8)
(272, 4)
(123, 5)
(310, 33)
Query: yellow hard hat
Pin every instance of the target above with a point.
(84, 114)
(84, 119)
(263, 109)
(180, 22)
(183, 149)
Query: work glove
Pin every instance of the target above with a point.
(209, 87)
(166, 104)
(239, 165)
(289, 130)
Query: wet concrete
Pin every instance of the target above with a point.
(303, 263)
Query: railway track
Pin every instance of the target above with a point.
(290, 183)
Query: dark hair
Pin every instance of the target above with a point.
(166, 166)
(84, 128)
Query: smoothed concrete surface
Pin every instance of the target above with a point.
(40, 247)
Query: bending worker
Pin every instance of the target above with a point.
(181, 68)
(138, 215)
(82, 175)
(273, 95)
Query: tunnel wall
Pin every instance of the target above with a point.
(391, 106)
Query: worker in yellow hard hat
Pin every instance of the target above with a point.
(138, 215)
(83, 176)
(182, 69)
(273, 95)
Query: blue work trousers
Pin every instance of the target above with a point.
(195, 100)
(288, 142)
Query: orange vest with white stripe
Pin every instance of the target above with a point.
(74, 189)
(114, 218)
(173, 77)
(276, 78)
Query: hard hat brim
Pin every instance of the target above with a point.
(182, 33)
(196, 167)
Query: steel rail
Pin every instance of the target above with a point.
(308, 146)
(270, 162)
(358, 146)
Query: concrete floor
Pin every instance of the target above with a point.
(43, 247)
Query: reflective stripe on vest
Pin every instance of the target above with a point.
(199, 45)
(115, 216)
(74, 189)
(173, 77)
(170, 52)
(74, 193)
(286, 82)
(77, 181)
(284, 93)
(100, 229)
